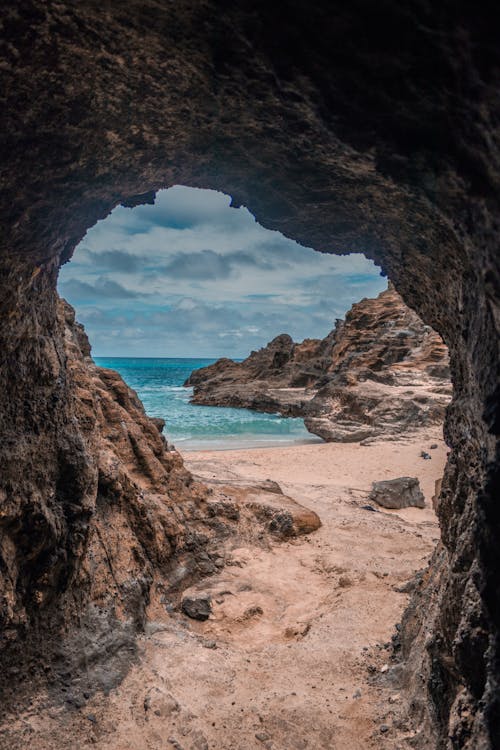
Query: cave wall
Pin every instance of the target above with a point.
(361, 127)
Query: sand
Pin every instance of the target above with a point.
(296, 654)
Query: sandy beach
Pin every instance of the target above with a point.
(296, 653)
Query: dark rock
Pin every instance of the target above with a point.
(403, 492)
(370, 507)
(425, 455)
(198, 608)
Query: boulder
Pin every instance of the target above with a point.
(403, 492)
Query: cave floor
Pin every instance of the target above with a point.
(296, 654)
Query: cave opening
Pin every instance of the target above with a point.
(343, 127)
(173, 285)
(122, 273)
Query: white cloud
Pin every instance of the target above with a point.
(192, 276)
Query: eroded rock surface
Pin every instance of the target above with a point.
(380, 372)
(346, 126)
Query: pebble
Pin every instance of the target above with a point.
(384, 668)
(433, 446)
(384, 728)
(425, 455)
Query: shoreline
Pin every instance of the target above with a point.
(263, 445)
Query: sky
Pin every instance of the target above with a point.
(192, 277)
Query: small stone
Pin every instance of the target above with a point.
(209, 644)
(197, 607)
(357, 694)
(92, 718)
(394, 698)
(384, 668)
(384, 728)
(433, 446)
(425, 455)
(370, 507)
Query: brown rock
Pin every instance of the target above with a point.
(379, 373)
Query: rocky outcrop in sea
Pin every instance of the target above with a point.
(381, 372)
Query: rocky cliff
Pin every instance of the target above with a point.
(140, 532)
(122, 513)
(349, 127)
(380, 372)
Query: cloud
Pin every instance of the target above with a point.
(204, 265)
(103, 288)
(116, 260)
(191, 276)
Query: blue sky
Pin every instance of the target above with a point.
(193, 277)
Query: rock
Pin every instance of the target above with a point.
(197, 607)
(433, 446)
(349, 386)
(403, 492)
(370, 507)
(425, 455)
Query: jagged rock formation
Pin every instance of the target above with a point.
(277, 378)
(379, 373)
(146, 530)
(137, 518)
(347, 127)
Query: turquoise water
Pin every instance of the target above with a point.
(158, 382)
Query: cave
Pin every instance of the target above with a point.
(363, 128)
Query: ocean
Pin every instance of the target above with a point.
(158, 383)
